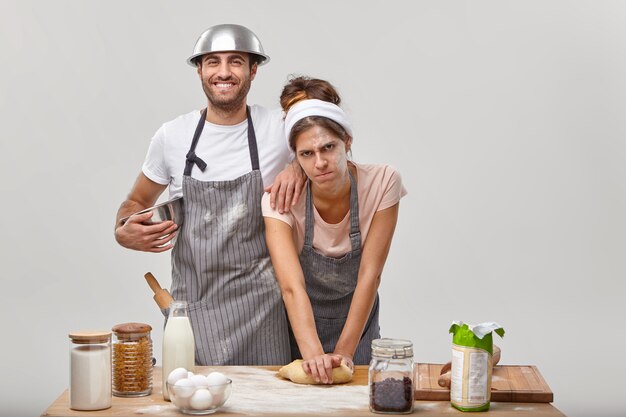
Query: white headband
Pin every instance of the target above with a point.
(314, 107)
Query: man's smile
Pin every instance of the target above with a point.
(224, 85)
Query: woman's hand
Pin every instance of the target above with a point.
(348, 361)
(321, 367)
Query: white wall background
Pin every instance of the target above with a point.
(506, 120)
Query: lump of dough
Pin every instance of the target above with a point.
(295, 373)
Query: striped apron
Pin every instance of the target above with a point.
(330, 285)
(221, 267)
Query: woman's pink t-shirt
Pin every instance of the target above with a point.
(379, 187)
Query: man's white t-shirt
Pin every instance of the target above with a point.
(223, 148)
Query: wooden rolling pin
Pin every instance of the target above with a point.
(161, 295)
(446, 370)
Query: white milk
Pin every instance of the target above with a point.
(90, 377)
(178, 348)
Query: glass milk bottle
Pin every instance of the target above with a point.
(178, 342)
(90, 370)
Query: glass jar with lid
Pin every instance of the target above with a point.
(90, 370)
(391, 373)
(132, 360)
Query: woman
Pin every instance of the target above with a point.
(329, 250)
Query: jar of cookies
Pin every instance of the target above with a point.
(391, 376)
(132, 360)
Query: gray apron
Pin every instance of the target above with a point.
(330, 284)
(221, 267)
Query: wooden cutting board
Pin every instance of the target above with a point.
(510, 383)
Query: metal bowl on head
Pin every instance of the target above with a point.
(228, 37)
(168, 210)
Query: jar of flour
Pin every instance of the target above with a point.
(90, 370)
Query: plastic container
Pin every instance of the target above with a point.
(391, 373)
(132, 360)
(90, 370)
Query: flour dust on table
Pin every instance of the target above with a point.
(262, 391)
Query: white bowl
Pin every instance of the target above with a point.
(199, 400)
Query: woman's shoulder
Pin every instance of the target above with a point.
(380, 185)
(266, 207)
(295, 214)
(377, 172)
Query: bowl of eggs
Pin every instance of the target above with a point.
(198, 394)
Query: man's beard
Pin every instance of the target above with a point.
(228, 105)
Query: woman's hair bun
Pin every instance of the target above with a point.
(300, 88)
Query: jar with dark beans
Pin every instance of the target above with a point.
(391, 376)
(392, 395)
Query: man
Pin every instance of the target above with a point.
(219, 160)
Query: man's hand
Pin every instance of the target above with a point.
(147, 238)
(287, 187)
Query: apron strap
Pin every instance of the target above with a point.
(308, 217)
(355, 230)
(254, 152)
(191, 157)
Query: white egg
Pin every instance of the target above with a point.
(199, 381)
(201, 399)
(217, 382)
(218, 399)
(176, 374)
(184, 388)
(181, 402)
(189, 374)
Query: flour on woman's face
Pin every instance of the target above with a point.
(323, 157)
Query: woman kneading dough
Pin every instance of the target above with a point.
(329, 250)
